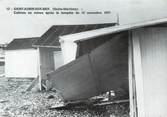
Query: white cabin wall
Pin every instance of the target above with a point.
(153, 47)
(69, 49)
(58, 59)
(21, 63)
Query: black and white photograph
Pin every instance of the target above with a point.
(99, 58)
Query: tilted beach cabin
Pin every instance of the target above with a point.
(134, 56)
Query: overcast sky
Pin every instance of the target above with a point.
(20, 26)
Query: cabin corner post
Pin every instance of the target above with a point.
(39, 69)
(130, 75)
(138, 75)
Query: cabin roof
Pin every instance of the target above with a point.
(110, 30)
(21, 43)
(51, 37)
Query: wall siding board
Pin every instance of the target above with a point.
(153, 44)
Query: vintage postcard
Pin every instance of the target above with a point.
(73, 58)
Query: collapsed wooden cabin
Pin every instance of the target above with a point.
(137, 61)
(50, 51)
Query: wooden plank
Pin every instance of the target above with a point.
(138, 76)
(111, 102)
(34, 82)
(130, 77)
(132, 86)
(39, 69)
